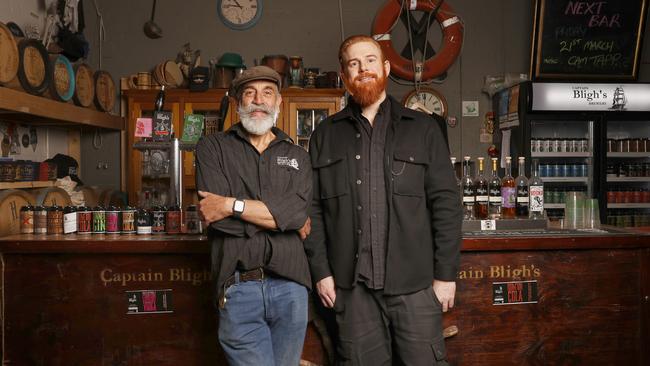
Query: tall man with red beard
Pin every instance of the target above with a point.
(384, 248)
(255, 188)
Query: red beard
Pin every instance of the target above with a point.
(366, 93)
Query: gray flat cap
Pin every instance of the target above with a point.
(254, 74)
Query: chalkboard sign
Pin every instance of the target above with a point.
(587, 39)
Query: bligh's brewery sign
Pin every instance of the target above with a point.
(591, 97)
(111, 277)
(501, 271)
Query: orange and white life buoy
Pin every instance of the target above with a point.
(452, 39)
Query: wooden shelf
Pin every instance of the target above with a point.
(32, 184)
(21, 107)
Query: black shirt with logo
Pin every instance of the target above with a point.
(228, 164)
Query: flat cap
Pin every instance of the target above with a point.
(253, 74)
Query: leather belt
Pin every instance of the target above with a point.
(256, 274)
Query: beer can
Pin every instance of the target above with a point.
(27, 219)
(40, 220)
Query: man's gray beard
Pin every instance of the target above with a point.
(256, 126)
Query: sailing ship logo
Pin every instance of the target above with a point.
(619, 101)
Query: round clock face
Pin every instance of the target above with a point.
(428, 98)
(239, 14)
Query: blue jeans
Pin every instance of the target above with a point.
(264, 322)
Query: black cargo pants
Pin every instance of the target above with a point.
(377, 330)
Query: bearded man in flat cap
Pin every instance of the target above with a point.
(255, 188)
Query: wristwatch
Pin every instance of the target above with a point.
(238, 208)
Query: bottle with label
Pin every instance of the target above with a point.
(468, 191)
(128, 220)
(508, 192)
(481, 189)
(494, 192)
(536, 193)
(99, 220)
(159, 103)
(453, 166)
(521, 206)
(69, 220)
(84, 220)
(143, 222)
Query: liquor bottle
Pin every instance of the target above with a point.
(508, 192)
(453, 166)
(494, 192)
(160, 100)
(467, 187)
(481, 188)
(521, 205)
(536, 193)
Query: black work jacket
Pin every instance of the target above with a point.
(424, 209)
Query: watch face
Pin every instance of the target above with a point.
(239, 206)
(239, 14)
(429, 99)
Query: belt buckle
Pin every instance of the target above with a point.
(222, 301)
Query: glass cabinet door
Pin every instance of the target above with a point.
(627, 193)
(149, 171)
(304, 117)
(565, 149)
(211, 112)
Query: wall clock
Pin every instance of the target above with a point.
(239, 14)
(429, 98)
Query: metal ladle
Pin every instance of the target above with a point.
(151, 29)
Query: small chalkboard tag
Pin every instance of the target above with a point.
(162, 125)
(515, 292)
(149, 301)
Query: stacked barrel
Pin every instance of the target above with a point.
(26, 65)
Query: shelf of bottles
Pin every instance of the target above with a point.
(565, 153)
(493, 197)
(628, 173)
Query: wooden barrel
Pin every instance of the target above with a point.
(11, 201)
(52, 196)
(63, 81)
(112, 197)
(9, 59)
(104, 91)
(34, 68)
(84, 92)
(91, 195)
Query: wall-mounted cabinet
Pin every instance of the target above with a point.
(301, 111)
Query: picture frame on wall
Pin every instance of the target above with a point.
(587, 40)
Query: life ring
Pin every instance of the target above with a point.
(452, 39)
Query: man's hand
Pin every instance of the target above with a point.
(445, 292)
(326, 291)
(213, 207)
(305, 230)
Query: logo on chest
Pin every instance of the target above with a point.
(285, 161)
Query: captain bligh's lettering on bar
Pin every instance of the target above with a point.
(108, 276)
(500, 271)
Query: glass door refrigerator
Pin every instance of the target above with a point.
(627, 180)
(590, 137)
(563, 139)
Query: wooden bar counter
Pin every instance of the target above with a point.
(567, 299)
